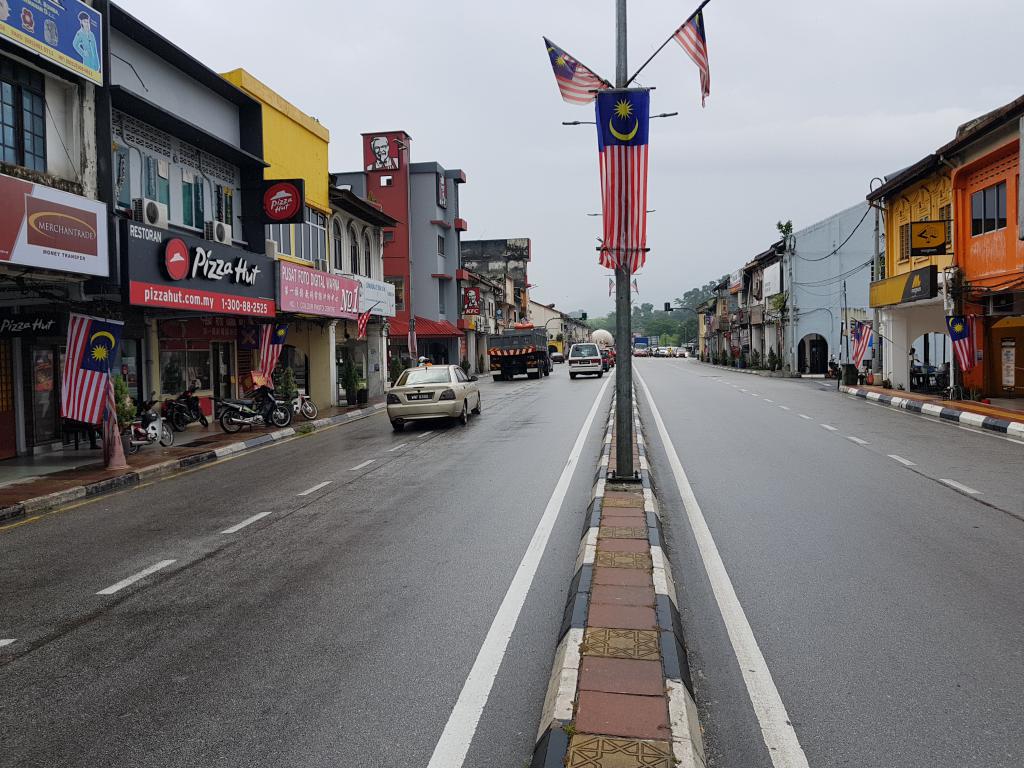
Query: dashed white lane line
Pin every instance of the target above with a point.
(805, 416)
(768, 401)
(784, 407)
(137, 577)
(856, 440)
(829, 427)
(400, 445)
(315, 488)
(366, 463)
(776, 726)
(754, 394)
(6, 641)
(248, 521)
(424, 434)
(960, 486)
(901, 460)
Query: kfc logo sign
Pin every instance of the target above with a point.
(283, 201)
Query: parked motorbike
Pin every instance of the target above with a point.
(235, 414)
(149, 427)
(185, 409)
(834, 370)
(304, 404)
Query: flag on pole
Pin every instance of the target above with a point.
(92, 345)
(577, 84)
(611, 286)
(272, 338)
(636, 288)
(622, 121)
(961, 334)
(694, 41)
(861, 339)
(412, 344)
(361, 324)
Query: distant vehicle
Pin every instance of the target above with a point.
(602, 338)
(641, 352)
(661, 352)
(523, 349)
(433, 392)
(585, 360)
(606, 360)
(680, 352)
(557, 357)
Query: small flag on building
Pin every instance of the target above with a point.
(622, 122)
(91, 348)
(636, 288)
(361, 324)
(272, 338)
(577, 84)
(611, 286)
(694, 41)
(861, 340)
(961, 334)
(412, 344)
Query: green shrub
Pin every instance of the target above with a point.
(125, 407)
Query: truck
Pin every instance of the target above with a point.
(523, 349)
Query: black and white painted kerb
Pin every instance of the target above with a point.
(1015, 428)
(559, 703)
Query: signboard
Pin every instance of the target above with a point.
(471, 301)
(736, 281)
(381, 152)
(913, 286)
(46, 228)
(442, 191)
(188, 273)
(772, 279)
(31, 323)
(283, 201)
(376, 297)
(1009, 362)
(67, 32)
(928, 238)
(312, 292)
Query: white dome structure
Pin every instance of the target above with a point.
(602, 338)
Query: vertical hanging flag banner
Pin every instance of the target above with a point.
(694, 40)
(961, 334)
(622, 127)
(861, 339)
(272, 338)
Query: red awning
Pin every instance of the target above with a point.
(425, 329)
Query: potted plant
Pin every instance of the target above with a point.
(285, 386)
(362, 392)
(350, 383)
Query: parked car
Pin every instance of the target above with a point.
(585, 360)
(433, 392)
(557, 357)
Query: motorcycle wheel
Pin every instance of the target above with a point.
(281, 416)
(166, 436)
(228, 422)
(133, 447)
(203, 420)
(309, 409)
(179, 421)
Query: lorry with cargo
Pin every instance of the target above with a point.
(523, 349)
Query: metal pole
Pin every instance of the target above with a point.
(876, 358)
(623, 304)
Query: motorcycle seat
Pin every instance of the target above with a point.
(235, 401)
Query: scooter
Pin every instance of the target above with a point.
(304, 404)
(148, 428)
(185, 409)
(235, 414)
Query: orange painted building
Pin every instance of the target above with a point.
(988, 245)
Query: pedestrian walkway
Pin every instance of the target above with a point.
(997, 418)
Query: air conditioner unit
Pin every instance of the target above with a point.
(217, 231)
(149, 212)
(321, 264)
(1002, 304)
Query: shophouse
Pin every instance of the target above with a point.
(562, 330)
(916, 253)
(506, 262)
(759, 319)
(186, 169)
(987, 239)
(827, 270)
(55, 254)
(481, 298)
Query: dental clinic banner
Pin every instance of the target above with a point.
(67, 32)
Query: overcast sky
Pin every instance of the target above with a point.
(809, 100)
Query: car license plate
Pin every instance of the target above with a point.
(418, 396)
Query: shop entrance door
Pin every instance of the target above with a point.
(223, 369)
(8, 428)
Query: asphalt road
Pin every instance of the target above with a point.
(337, 629)
(888, 603)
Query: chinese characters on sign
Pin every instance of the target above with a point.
(312, 292)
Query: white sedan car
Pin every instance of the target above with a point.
(432, 392)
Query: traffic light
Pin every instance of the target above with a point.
(668, 306)
(583, 316)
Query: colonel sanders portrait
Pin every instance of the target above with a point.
(383, 161)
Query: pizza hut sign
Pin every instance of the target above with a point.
(205, 265)
(284, 201)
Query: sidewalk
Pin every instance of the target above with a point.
(967, 412)
(37, 494)
(620, 694)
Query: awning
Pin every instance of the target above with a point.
(425, 329)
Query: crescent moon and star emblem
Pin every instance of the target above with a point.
(623, 111)
(99, 351)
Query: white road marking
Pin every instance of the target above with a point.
(400, 445)
(248, 521)
(805, 416)
(779, 735)
(959, 486)
(768, 401)
(856, 440)
(6, 641)
(990, 434)
(784, 407)
(742, 390)
(453, 745)
(424, 434)
(138, 576)
(366, 463)
(901, 460)
(754, 394)
(315, 488)
(829, 427)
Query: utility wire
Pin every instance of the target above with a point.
(834, 252)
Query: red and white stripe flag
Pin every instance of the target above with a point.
(693, 39)
(861, 339)
(961, 334)
(361, 324)
(576, 83)
(272, 339)
(91, 348)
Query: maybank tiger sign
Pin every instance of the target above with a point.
(913, 286)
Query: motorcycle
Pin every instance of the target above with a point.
(149, 427)
(235, 414)
(304, 404)
(185, 409)
(834, 370)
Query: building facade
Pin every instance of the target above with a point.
(507, 263)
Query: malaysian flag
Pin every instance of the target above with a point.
(694, 41)
(272, 339)
(861, 340)
(412, 343)
(622, 120)
(111, 433)
(636, 288)
(611, 286)
(361, 324)
(577, 84)
(961, 333)
(92, 346)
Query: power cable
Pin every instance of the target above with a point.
(839, 248)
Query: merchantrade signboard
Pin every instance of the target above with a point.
(67, 32)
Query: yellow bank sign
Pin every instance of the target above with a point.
(913, 286)
(928, 238)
